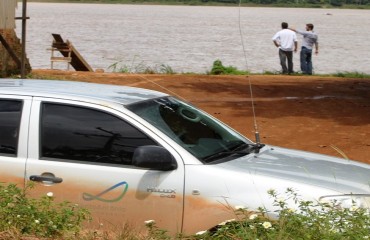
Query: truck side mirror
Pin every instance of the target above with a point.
(154, 158)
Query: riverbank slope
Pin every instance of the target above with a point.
(309, 113)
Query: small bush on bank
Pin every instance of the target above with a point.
(219, 69)
(41, 217)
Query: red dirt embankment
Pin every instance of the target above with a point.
(308, 113)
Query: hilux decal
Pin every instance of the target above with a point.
(166, 193)
(90, 197)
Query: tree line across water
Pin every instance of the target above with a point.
(361, 4)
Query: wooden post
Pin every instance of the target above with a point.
(23, 58)
(8, 40)
(10, 51)
(7, 13)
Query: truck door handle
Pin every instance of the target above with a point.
(45, 179)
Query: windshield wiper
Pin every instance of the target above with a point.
(248, 147)
(241, 149)
(223, 154)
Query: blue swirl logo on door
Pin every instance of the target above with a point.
(99, 197)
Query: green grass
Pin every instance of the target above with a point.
(352, 75)
(140, 67)
(135, 66)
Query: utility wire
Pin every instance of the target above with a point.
(159, 85)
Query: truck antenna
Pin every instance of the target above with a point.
(256, 132)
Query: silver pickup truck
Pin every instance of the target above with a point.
(132, 155)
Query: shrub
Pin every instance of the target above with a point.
(309, 221)
(219, 69)
(39, 217)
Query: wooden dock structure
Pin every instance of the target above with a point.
(70, 54)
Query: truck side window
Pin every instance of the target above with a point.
(84, 134)
(10, 117)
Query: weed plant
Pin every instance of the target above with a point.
(309, 221)
(219, 69)
(140, 67)
(41, 217)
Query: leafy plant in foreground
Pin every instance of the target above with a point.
(308, 221)
(39, 217)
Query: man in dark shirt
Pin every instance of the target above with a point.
(310, 39)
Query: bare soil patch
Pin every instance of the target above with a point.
(309, 113)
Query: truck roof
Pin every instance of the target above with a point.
(76, 90)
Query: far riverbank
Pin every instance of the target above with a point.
(331, 4)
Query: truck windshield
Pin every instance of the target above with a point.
(203, 136)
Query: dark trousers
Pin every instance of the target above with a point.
(286, 57)
(306, 60)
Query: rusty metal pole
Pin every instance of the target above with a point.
(23, 57)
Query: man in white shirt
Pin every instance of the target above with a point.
(286, 41)
(310, 39)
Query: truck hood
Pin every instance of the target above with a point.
(340, 175)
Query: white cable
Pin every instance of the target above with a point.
(241, 36)
(159, 85)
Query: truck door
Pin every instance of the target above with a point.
(82, 153)
(14, 116)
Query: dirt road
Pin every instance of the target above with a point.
(310, 113)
